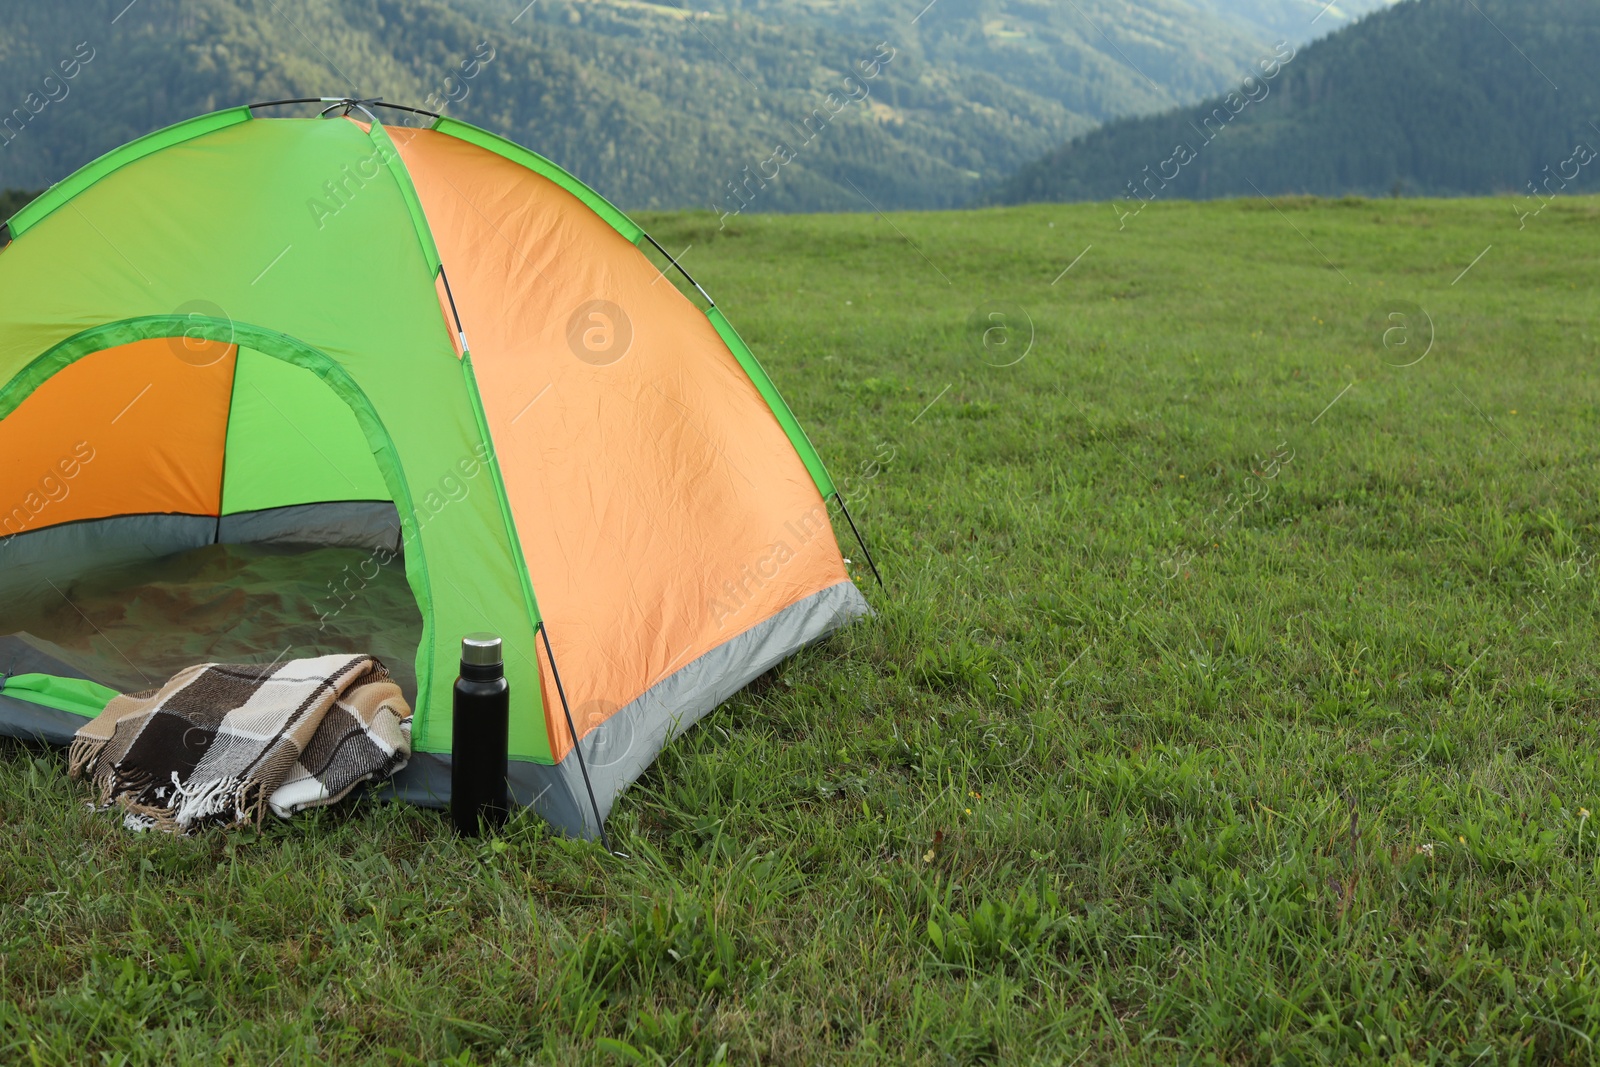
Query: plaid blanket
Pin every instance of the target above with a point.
(219, 744)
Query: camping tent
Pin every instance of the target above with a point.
(436, 353)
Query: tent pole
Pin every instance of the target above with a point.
(859, 539)
(336, 100)
(576, 747)
(461, 331)
(673, 260)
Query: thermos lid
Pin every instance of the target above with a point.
(481, 650)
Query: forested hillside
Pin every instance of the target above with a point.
(1294, 21)
(1429, 97)
(657, 104)
(12, 201)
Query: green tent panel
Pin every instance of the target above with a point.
(291, 440)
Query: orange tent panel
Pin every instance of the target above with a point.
(135, 429)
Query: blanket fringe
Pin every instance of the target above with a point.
(196, 801)
(82, 755)
(190, 805)
(186, 806)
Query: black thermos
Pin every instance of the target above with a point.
(480, 713)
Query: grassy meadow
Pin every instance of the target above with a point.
(1232, 698)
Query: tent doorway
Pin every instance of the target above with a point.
(172, 500)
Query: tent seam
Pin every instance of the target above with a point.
(396, 166)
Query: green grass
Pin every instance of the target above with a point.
(1202, 721)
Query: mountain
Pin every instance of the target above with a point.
(666, 104)
(1295, 21)
(13, 201)
(1438, 97)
